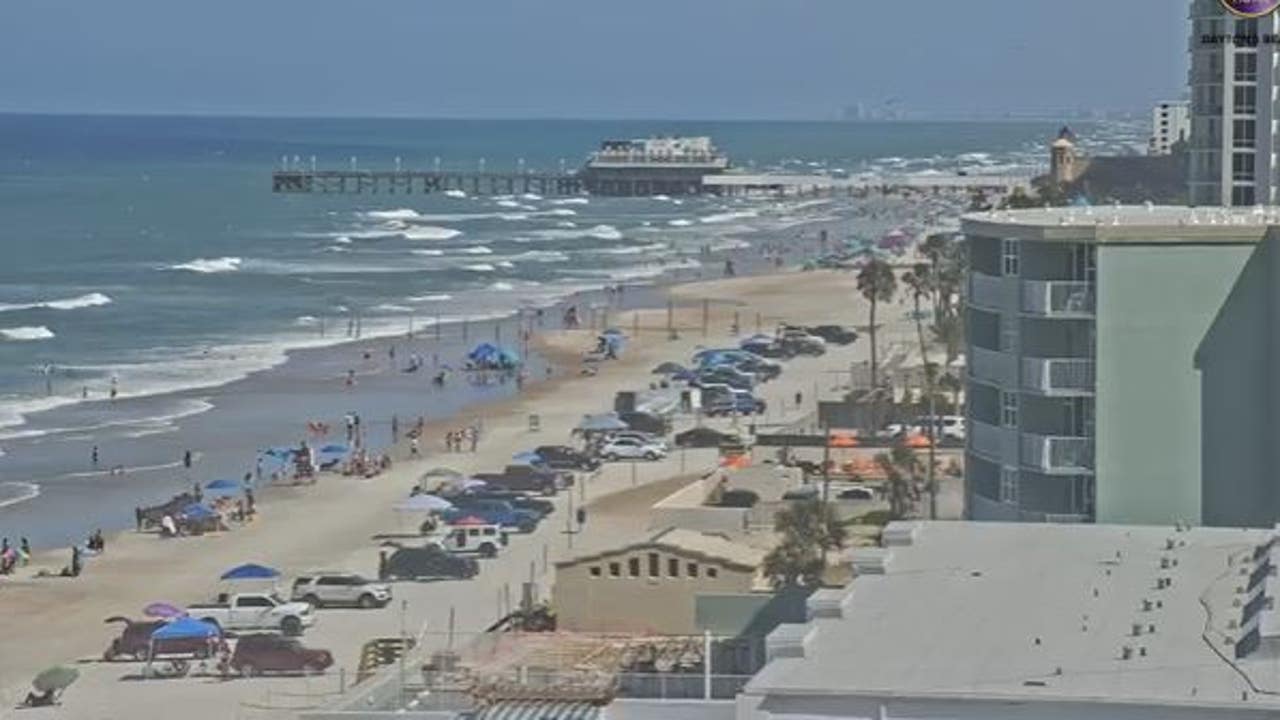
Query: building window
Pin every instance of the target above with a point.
(615, 570)
(595, 571)
(1009, 409)
(1009, 486)
(1244, 133)
(633, 567)
(1244, 100)
(712, 572)
(1243, 195)
(1010, 253)
(693, 569)
(654, 565)
(1246, 67)
(673, 567)
(1242, 166)
(1244, 30)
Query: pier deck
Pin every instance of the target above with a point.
(392, 182)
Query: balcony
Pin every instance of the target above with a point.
(991, 367)
(1054, 298)
(992, 441)
(982, 508)
(1060, 377)
(989, 292)
(1057, 454)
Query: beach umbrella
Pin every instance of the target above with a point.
(251, 571)
(58, 677)
(442, 472)
(424, 503)
(223, 487)
(527, 457)
(334, 449)
(668, 368)
(185, 629)
(163, 610)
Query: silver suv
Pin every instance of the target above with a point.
(323, 589)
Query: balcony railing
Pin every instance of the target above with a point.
(987, 291)
(1054, 453)
(1064, 376)
(993, 441)
(993, 367)
(1057, 298)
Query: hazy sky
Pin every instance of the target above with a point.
(586, 58)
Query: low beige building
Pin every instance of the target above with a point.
(652, 586)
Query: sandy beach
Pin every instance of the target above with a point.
(331, 524)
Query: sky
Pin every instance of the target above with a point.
(704, 59)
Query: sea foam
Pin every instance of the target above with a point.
(82, 301)
(212, 265)
(430, 232)
(27, 333)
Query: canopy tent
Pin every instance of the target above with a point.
(487, 356)
(251, 571)
(605, 422)
(185, 628)
(423, 503)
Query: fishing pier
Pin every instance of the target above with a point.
(408, 182)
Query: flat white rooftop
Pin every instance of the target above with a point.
(1000, 613)
(1127, 223)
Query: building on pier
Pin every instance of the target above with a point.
(653, 166)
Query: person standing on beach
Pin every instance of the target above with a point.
(395, 429)
(115, 387)
(94, 457)
(24, 551)
(473, 434)
(186, 459)
(413, 446)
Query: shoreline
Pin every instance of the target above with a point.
(148, 476)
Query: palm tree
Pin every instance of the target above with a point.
(920, 279)
(809, 531)
(902, 470)
(878, 284)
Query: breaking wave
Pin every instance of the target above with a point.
(211, 265)
(27, 333)
(83, 301)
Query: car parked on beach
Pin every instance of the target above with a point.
(257, 654)
(518, 500)
(429, 562)
(836, 334)
(494, 512)
(563, 457)
(529, 478)
(324, 589)
(706, 437)
(630, 448)
(643, 437)
(255, 611)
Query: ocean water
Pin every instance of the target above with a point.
(149, 254)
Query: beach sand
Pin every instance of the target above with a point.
(330, 524)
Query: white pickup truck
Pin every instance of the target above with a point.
(255, 612)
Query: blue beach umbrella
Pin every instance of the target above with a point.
(222, 486)
(251, 571)
(334, 449)
(198, 511)
(185, 628)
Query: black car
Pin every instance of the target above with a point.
(645, 422)
(563, 457)
(518, 500)
(706, 437)
(834, 334)
(428, 562)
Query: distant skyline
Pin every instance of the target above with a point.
(660, 59)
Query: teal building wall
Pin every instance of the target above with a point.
(1155, 305)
